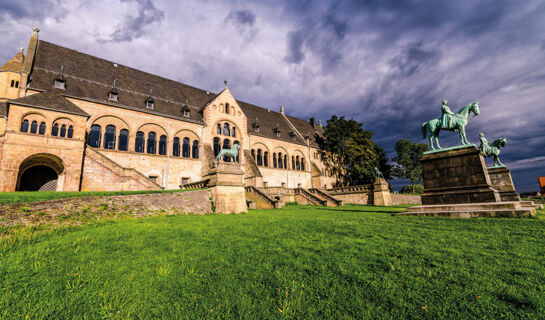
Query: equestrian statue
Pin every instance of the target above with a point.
(233, 153)
(449, 121)
(492, 149)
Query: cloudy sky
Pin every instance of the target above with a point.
(386, 63)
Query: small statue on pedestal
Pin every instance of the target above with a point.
(492, 149)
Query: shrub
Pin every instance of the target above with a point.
(418, 189)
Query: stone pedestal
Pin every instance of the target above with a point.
(500, 177)
(456, 175)
(227, 188)
(381, 193)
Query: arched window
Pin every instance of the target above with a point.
(303, 164)
(185, 148)
(217, 146)
(285, 161)
(280, 164)
(226, 145)
(24, 126)
(55, 130)
(253, 154)
(41, 130)
(238, 154)
(292, 162)
(34, 127)
(227, 108)
(274, 160)
(139, 142)
(297, 163)
(123, 143)
(218, 128)
(163, 145)
(195, 151)
(259, 158)
(176, 147)
(234, 132)
(109, 137)
(266, 159)
(151, 143)
(94, 135)
(63, 131)
(70, 132)
(226, 131)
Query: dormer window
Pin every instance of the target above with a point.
(149, 103)
(60, 82)
(292, 135)
(185, 111)
(256, 127)
(277, 131)
(112, 95)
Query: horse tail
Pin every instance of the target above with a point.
(424, 130)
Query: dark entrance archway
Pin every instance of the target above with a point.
(39, 172)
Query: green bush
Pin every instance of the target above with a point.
(418, 189)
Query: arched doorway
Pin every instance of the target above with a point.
(39, 172)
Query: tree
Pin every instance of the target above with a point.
(408, 161)
(349, 154)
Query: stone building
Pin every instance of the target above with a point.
(71, 121)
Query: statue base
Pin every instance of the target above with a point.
(455, 176)
(500, 178)
(381, 193)
(227, 188)
(506, 209)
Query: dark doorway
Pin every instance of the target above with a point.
(38, 178)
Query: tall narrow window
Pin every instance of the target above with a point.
(226, 145)
(234, 132)
(238, 153)
(12, 83)
(41, 130)
(24, 126)
(151, 143)
(297, 163)
(94, 136)
(34, 127)
(63, 131)
(16, 84)
(163, 145)
(274, 160)
(185, 148)
(285, 161)
(139, 142)
(280, 164)
(259, 157)
(227, 108)
(217, 146)
(303, 164)
(55, 130)
(226, 131)
(123, 144)
(253, 154)
(218, 128)
(176, 147)
(292, 162)
(109, 137)
(195, 149)
(266, 158)
(70, 132)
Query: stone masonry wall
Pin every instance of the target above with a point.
(398, 199)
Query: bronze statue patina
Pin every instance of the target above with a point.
(492, 149)
(449, 121)
(233, 153)
(378, 174)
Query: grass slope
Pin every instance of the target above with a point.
(296, 262)
(33, 196)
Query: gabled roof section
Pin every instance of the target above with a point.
(15, 64)
(49, 100)
(269, 121)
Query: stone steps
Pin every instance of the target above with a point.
(507, 213)
(468, 206)
(531, 204)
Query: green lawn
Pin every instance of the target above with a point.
(352, 262)
(33, 196)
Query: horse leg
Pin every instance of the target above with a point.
(437, 138)
(431, 141)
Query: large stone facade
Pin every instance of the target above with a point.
(72, 122)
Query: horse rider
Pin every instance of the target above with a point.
(446, 120)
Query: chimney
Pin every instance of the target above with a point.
(312, 122)
(281, 110)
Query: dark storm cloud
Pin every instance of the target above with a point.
(244, 21)
(35, 9)
(135, 27)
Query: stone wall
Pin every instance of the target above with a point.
(398, 199)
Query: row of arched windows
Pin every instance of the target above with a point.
(62, 130)
(279, 160)
(226, 130)
(142, 143)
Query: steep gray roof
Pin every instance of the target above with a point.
(49, 100)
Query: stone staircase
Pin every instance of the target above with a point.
(257, 199)
(330, 200)
(303, 196)
(473, 210)
(101, 173)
